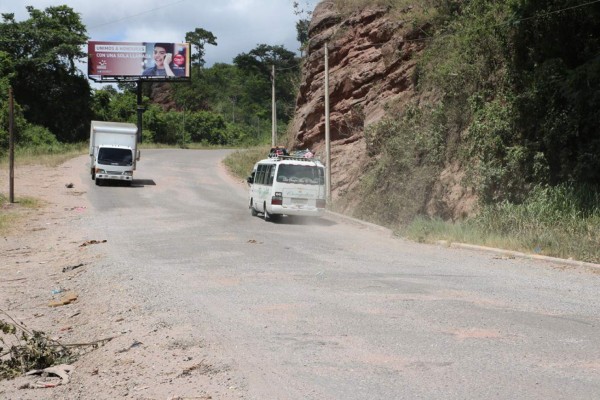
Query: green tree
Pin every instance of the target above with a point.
(110, 105)
(256, 65)
(557, 78)
(43, 50)
(303, 24)
(199, 38)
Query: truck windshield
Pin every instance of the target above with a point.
(109, 156)
(304, 174)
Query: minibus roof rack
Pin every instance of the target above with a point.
(294, 158)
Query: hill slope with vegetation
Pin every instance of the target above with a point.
(485, 103)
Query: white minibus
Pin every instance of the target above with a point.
(285, 185)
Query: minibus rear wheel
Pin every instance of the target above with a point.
(269, 217)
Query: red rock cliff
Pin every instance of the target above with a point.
(370, 65)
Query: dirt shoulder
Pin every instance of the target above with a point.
(51, 254)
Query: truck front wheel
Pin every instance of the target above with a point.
(93, 173)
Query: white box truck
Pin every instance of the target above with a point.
(113, 151)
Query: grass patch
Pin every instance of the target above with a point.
(241, 162)
(561, 221)
(49, 156)
(11, 213)
(407, 154)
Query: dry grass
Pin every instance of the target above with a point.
(418, 10)
(241, 162)
(561, 222)
(45, 156)
(10, 213)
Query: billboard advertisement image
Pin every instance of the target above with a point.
(141, 60)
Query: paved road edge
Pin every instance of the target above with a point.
(467, 246)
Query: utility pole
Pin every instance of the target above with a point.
(327, 136)
(273, 108)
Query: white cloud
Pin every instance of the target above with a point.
(239, 25)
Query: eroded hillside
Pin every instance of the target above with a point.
(372, 65)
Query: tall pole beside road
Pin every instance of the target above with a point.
(140, 110)
(273, 108)
(327, 137)
(11, 145)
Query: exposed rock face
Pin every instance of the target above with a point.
(160, 93)
(371, 66)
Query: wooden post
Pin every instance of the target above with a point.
(11, 144)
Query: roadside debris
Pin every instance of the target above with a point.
(72, 267)
(69, 185)
(202, 367)
(35, 352)
(13, 280)
(90, 242)
(504, 257)
(27, 350)
(62, 371)
(133, 345)
(66, 299)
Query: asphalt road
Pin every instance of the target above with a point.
(330, 309)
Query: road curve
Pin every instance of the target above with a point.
(327, 309)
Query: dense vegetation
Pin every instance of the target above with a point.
(225, 104)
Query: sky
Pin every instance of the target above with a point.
(239, 25)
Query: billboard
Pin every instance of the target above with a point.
(138, 60)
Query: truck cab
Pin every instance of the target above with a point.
(113, 151)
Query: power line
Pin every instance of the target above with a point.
(558, 11)
(562, 10)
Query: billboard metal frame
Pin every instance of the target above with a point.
(95, 75)
(121, 79)
(138, 79)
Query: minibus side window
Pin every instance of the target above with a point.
(271, 174)
(260, 173)
(265, 175)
